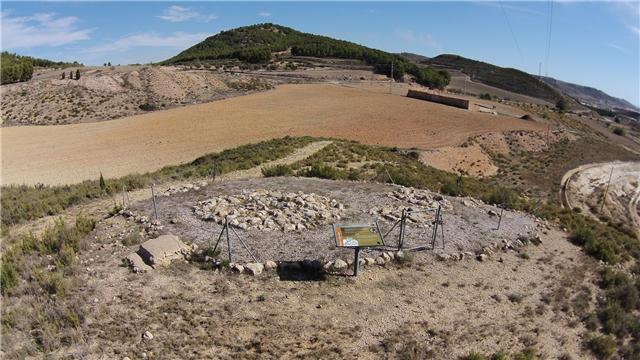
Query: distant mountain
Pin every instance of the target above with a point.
(503, 78)
(590, 96)
(257, 44)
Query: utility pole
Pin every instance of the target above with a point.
(391, 75)
(540, 70)
(606, 190)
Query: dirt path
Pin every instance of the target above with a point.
(585, 186)
(100, 208)
(72, 153)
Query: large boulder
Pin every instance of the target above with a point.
(162, 250)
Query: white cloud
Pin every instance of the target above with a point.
(618, 47)
(41, 29)
(410, 37)
(177, 13)
(264, 14)
(178, 40)
(634, 29)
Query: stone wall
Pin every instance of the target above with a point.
(441, 99)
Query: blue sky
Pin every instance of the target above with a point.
(592, 43)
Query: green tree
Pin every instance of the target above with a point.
(71, 75)
(63, 74)
(561, 105)
(78, 74)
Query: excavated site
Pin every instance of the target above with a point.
(280, 220)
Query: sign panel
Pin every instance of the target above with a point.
(358, 235)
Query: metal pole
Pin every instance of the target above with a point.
(356, 261)
(441, 227)
(153, 195)
(402, 225)
(218, 241)
(245, 245)
(606, 190)
(500, 218)
(226, 226)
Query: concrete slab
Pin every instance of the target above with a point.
(162, 250)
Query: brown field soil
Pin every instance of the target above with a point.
(470, 159)
(72, 153)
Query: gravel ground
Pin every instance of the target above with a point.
(467, 223)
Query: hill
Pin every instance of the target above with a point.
(414, 57)
(590, 96)
(503, 78)
(16, 68)
(257, 44)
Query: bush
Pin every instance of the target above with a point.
(619, 131)
(148, 107)
(9, 275)
(485, 96)
(321, 171)
(277, 170)
(602, 249)
(501, 196)
(474, 356)
(602, 346)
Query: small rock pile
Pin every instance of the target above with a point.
(421, 209)
(271, 210)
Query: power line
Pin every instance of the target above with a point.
(513, 35)
(547, 53)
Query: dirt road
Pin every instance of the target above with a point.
(585, 187)
(72, 153)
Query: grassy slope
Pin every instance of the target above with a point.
(504, 78)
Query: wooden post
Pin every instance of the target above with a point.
(500, 218)
(226, 226)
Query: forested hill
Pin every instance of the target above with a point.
(257, 43)
(504, 78)
(17, 68)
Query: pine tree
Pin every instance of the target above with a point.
(109, 63)
(103, 184)
(78, 74)
(71, 75)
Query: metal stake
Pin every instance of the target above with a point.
(226, 226)
(500, 218)
(356, 261)
(153, 195)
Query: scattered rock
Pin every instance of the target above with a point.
(254, 268)
(137, 265)
(147, 335)
(237, 268)
(380, 260)
(270, 265)
(482, 257)
(442, 257)
(339, 264)
(369, 261)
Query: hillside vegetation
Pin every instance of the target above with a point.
(503, 78)
(257, 43)
(16, 68)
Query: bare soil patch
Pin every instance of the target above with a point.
(72, 153)
(470, 160)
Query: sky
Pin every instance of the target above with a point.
(589, 43)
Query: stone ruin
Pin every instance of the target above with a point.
(268, 210)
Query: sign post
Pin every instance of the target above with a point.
(357, 236)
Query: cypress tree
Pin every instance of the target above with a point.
(78, 74)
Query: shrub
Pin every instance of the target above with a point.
(148, 107)
(602, 346)
(321, 171)
(474, 356)
(501, 196)
(485, 96)
(9, 275)
(277, 170)
(619, 131)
